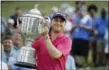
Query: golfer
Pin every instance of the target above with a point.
(52, 48)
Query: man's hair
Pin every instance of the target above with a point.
(103, 13)
(7, 38)
(92, 7)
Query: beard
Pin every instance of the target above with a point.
(7, 49)
(56, 31)
(56, 28)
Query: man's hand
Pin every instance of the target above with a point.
(44, 28)
(45, 31)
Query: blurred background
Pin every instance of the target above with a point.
(94, 53)
(7, 8)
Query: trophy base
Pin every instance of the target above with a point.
(26, 65)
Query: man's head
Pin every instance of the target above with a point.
(81, 12)
(16, 38)
(79, 4)
(7, 43)
(92, 9)
(58, 22)
(18, 11)
(103, 13)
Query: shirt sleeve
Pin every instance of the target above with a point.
(11, 62)
(87, 21)
(36, 44)
(65, 46)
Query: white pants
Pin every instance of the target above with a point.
(70, 64)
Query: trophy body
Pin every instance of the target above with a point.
(31, 25)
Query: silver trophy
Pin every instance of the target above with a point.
(32, 24)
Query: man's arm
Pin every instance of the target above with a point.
(89, 29)
(54, 52)
(74, 26)
(57, 51)
(62, 49)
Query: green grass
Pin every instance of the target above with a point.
(8, 7)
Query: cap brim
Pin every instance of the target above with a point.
(59, 15)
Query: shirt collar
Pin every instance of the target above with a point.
(15, 47)
(59, 36)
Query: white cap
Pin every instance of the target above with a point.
(11, 21)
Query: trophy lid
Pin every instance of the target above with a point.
(35, 10)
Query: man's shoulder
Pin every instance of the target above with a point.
(14, 49)
(66, 37)
(87, 16)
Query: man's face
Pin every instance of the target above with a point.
(19, 12)
(58, 24)
(16, 38)
(103, 12)
(92, 12)
(80, 13)
(7, 44)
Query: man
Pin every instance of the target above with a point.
(3, 65)
(12, 21)
(92, 10)
(102, 23)
(17, 44)
(53, 48)
(7, 45)
(82, 26)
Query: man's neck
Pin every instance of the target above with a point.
(54, 35)
(17, 47)
(93, 16)
(7, 51)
